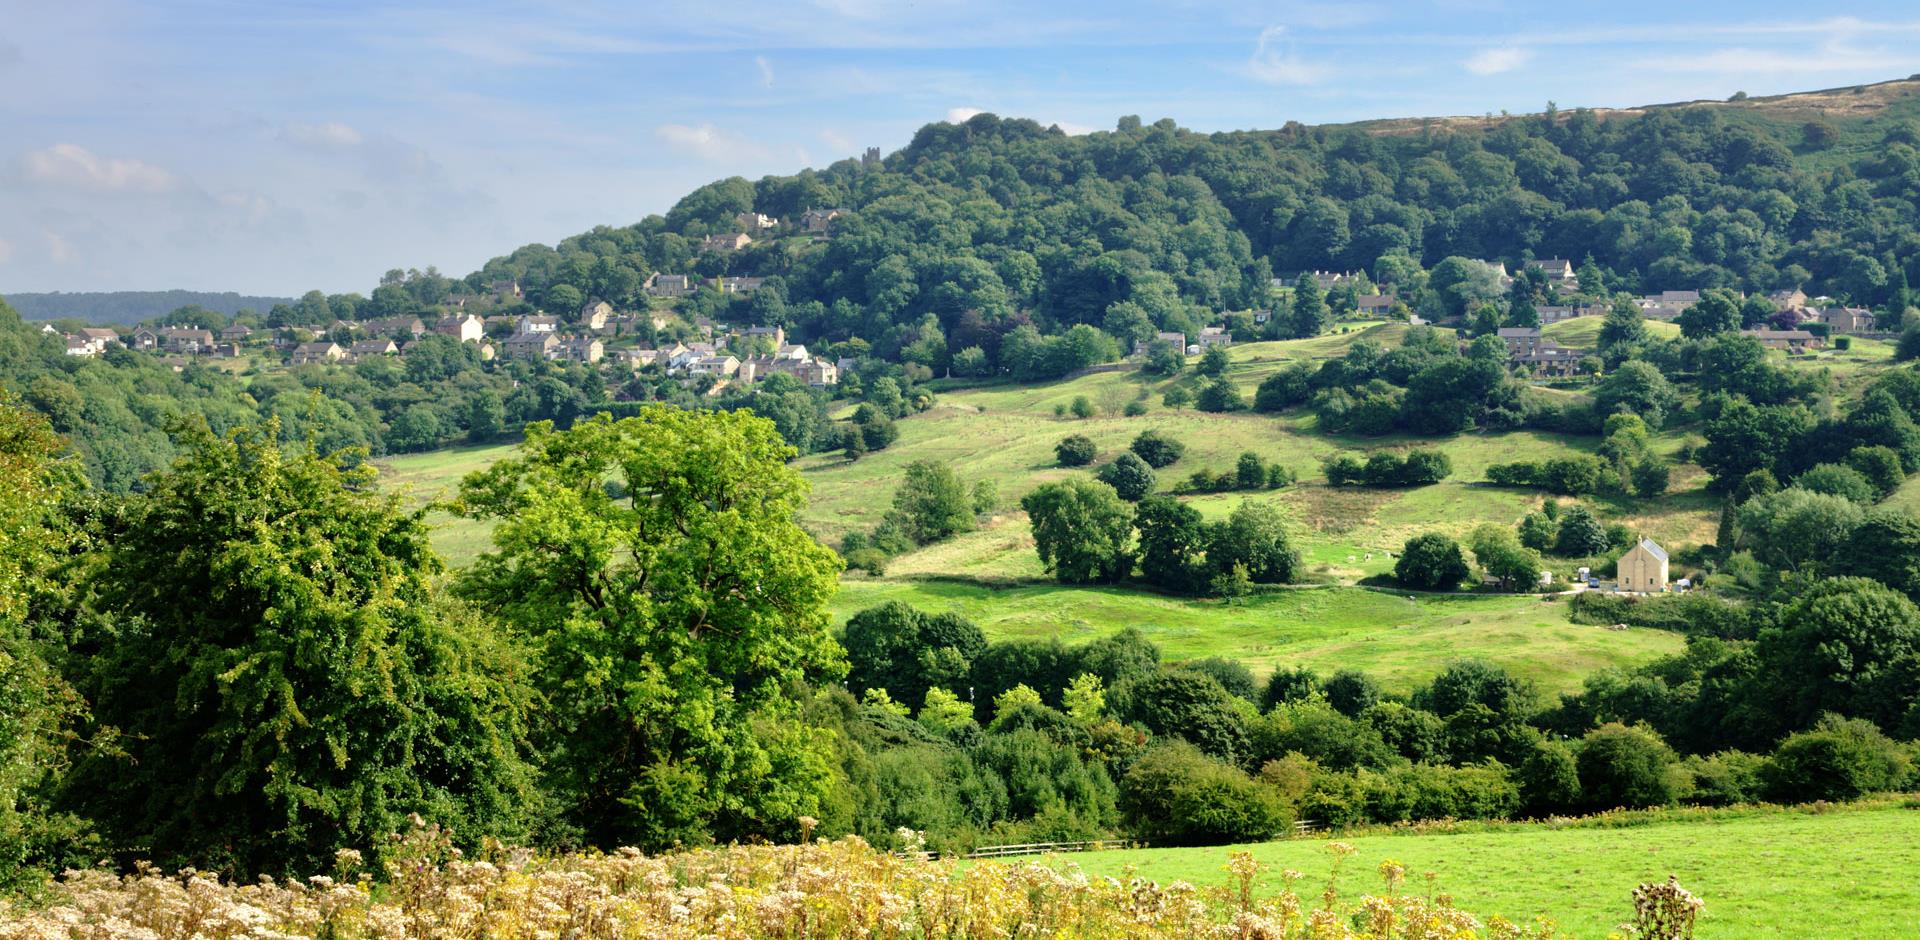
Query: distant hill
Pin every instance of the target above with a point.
(132, 306)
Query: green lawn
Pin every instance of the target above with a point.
(1584, 332)
(1845, 874)
(1400, 639)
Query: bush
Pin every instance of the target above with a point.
(1840, 759)
(1075, 450)
(1385, 469)
(1187, 705)
(1081, 408)
(1622, 766)
(1219, 395)
(1134, 408)
(1237, 679)
(1157, 449)
(1725, 778)
(1431, 562)
(1284, 389)
(1129, 476)
(1289, 685)
(1351, 692)
(1569, 476)
(1426, 791)
(1838, 480)
(1175, 795)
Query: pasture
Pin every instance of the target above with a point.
(1763, 874)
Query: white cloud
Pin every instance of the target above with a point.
(1074, 130)
(766, 70)
(331, 134)
(838, 141)
(71, 166)
(707, 141)
(59, 249)
(6, 251)
(1497, 60)
(1749, 61)
(962, 115)
(1277, 65)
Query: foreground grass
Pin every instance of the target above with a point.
(1780, 874)
(1401, 640)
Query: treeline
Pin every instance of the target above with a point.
(130, 307)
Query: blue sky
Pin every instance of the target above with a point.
(272, 146)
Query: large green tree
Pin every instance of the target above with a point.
(1081, 529)
(674, 605)
(276, 677)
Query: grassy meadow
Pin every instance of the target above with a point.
(1005, 433)
(1770, 874)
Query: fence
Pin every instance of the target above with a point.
(1040, 848)
(1301, 827)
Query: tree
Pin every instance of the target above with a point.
(1621, 766)
(1219, 395)
(1797, 527)
(1839, 649)
(1289, 685)
(1580, 534)
(1253, 537)
(1075, 450)
(1430, 561)
(1885, 546)
(1717, 311)
(1213, 362)
(486, 416)
(1176, 795)
(931, 505)
(283, 679)
(1880, 466)
(673, 615)
(1838, 480)
(1177, 397)
(1188, 705)
(1129, 476)
(1636, 388)
(1081, 408)
(1308, 315)
(1249, 473)
(909, 653)
(37, 708)
(1503, 558)
(1351, 692)
(1284, 389)
(1157, 449)
(1172, 538)
(1081, 529)
(1839, 759)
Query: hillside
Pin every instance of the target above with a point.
(130, 307)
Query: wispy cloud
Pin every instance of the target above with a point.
(963, 114)
(1275, 63)
(71, 166)
(330, 135)
(6, 251)
(1742, 60)
(766, 70)
(708, 142)
(59, 249)
(1497, 60)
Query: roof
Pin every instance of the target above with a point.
(1779, 334)
(1653, 548)
(1519, 332)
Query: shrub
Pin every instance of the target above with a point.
(1081, 408)
(1426, 791)
(1129, 476)
(1157, 449)
(1289, 685)
(1175, 795)
(1134, 408)
(1430, 562)
(1351, 692)
(1187, 705)
(1725, 778)
(1623, 766)
(1219, 395)
(1236, 678)
(1075, 450)
(1840, 759)
(1837, 480)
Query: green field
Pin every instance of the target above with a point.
(1584, 332)
(1401, 640)
(1845, 874)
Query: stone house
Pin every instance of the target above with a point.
(1643, 569)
